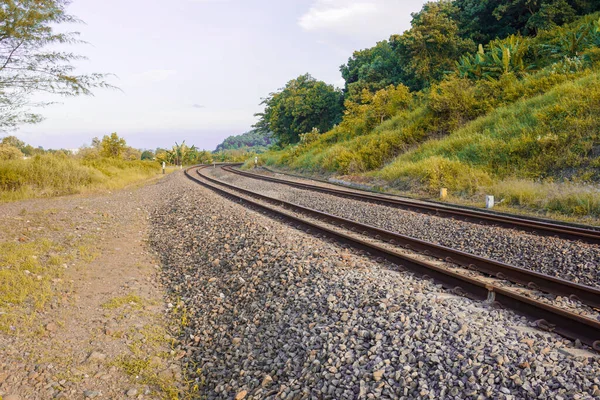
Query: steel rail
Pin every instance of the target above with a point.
(528, 225)
(531, 279)
(547, 317)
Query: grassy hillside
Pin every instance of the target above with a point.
(525, 128)
(556, 134)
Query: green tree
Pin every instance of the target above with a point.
(9, 152)
(29, 62)
(13, 141)
(502, 57)
(372, 69)
(486, 20)
(113, 146)
(203, 157)
(374, 108)
(180, 154)
(253, 138)
(305, 103)
(432, 46)
(147, 155)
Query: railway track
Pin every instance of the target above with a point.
(535, 226)
(547, 317)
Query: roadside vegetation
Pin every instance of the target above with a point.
(507, 107)
(106, 165)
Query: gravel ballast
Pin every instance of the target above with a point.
(574, 261)
(277, 313)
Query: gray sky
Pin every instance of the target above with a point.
(196, 70)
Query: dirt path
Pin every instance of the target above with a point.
(99, 326)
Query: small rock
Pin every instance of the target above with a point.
(96, 356)
(132, 392)
(377, 375)
(241, 395)
(12, 397)
(90, 394)
(267, 381)
(51, 327)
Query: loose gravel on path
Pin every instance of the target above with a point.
(575, 261)
(276, 313)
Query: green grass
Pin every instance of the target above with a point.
(545, 136)
(131, 300)
(58, 174)
(552, 135)
(567, 199)
(30, 278)
(532, 139)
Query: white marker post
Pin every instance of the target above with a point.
(489, 201)
(443, 194)
(164, 166)
(255, 161)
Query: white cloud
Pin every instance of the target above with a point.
(325, 15)
(360, 19)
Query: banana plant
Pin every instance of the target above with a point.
(181, 154)
(502, 57)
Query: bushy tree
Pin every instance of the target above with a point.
(9, 152)
(486, 20)
(203, 157)
(112, 146)
(13, 141)
(371, 69)
(28, 62)
(254, 138)
(373, 108)
(430, 48)
(303, 104)
(25, 148)
(147, 155)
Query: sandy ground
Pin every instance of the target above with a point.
(105, 331)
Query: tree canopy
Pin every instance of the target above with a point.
(251, 139)
(303, 104)
(486, 20)
(28, 65)
(112, 146)
(372, 69)
(428, 50)
(444, 31)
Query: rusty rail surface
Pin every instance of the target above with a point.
(547, 317)
(529, 225)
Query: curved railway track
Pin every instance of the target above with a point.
(539, 227)
(547, 317)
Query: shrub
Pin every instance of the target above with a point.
(8, 152)
(60, 174)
